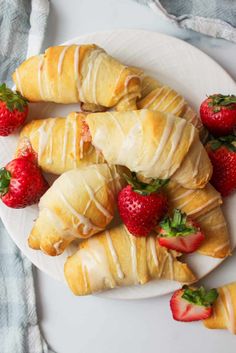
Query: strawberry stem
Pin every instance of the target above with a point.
(145, 188)
(5, 178)
(227, 141)
(177, 225)
(13, 100)
(200, 296)
(221, 100)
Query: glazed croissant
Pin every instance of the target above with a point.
(77, 73)
(204, 206)
(60, 144)
(116, 258)
(157, 96)
(154, 144)
(80, 203)
(224, 309)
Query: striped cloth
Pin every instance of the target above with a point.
(216, 18)
(22, 26)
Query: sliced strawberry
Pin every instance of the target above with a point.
(180, 233)
(190, 304)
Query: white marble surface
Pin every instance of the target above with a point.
(95, 325)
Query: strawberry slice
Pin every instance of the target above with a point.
(180, 233)
(190, 304)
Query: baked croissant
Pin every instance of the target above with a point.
(154, 144)
(60, 144)
(224, 309)
(157, 96)
(116, 258)
(204, 206)
(77, 73)
(80, 203)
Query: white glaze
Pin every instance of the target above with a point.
(200, 208)
(65, 139)
(221, 247)
(152, 245)
(197, 163)
(113, 253)
(157, 105)
(94, 260)
(74, 142)
(148, 104)
(40, 67)
(97, 64)
(230, 310)
(117, 123)
(133, 255)
(76, 73)
(50, 135)
(186, 193)
(88, 226)
(164, 138)
(99, 206)
(61, 59)
(177, 135)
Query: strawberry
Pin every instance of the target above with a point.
(218, 114)
(13, 110)
(141, 205)
(222, 153)
(180, 233)
(21, 183)
(190, 304)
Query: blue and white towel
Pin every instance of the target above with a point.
(216, 18)
(22, 27)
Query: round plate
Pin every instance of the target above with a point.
(172, 61)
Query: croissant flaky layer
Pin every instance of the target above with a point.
(160, 97)
(77, 73)
(154, 144)
(224, 309)
(203, 205)
(115, 258)
(80, 203)
(61, 144)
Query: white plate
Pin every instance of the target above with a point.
(172, 61)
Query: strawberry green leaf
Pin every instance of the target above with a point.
(5, 177)
(177, 225)
(200, 296)
(145, 188)
(13, 100)
(227, 141)
(221, 100)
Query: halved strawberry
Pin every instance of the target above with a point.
(190, 304)
(180, 233)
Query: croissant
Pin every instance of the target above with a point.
(157, 96)
(224, 309)
(77, 73)
(80, 203)
(154, 144)
(61, 144)
(204, 206)
(116, 258)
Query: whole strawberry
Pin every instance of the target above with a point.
(21, 183)
(192, 304)
(222, 153)
(141, 206)
(13, 110)
(218, 114)
(180, 233)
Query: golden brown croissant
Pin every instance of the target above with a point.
(154, 144)
(80, 203)
(157, 96)
(204, 206)
(116, 258)
(224, 309)
(77, 73)
(60, 144)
